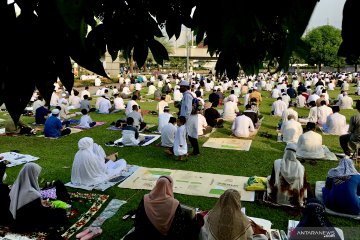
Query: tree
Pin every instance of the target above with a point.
(324, 43)
(48, 33)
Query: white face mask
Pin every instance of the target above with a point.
(4, 177)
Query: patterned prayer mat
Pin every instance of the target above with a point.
(83, 207)
(228, 144)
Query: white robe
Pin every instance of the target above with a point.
(291, 131)
(336, 124)
(180, 139)
(310, 146)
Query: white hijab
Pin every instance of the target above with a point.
(88, 167)
(26, 187)
(290, 168)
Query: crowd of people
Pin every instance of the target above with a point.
(159, 214)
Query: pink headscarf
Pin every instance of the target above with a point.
(160, 204)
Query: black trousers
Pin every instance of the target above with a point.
(194, 143)
(344, 143)
(66, 131)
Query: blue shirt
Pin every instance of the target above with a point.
(343, 197)
(40, 115)
(186, 104)
(52, 127)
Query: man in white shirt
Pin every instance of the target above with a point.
(54, 101)
(104, 105)
(243, 127)
(38, 103)
(300, 101)
(75, 101)
(203, 127)
(310, 144)
(230, 110)
(331, 86)
(130, 104)
(138, 86)
(232, 94)
(168, 133)
(323, 112)
(138, 119)
(85, 92)
(160, 106)
(275, 93)
(289, 111)
(151, 89)
(313, 97)
(163, 118)
(118, 102)
(160, 84)
(291, 130)
(278, 107)
(125, 92)
(346, 102)
(285, 98)
(335, 123)
(345, 86)
(177, 94)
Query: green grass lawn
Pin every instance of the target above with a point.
(56, 157)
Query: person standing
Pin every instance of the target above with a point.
(180, 146)
(353, 137)
(186, 102)
(192, 131)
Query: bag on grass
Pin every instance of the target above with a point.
(256, 183)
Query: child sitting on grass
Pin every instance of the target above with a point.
(85, 120)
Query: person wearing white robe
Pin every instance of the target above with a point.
(346, 102)
(84, 92)
(345, 86)
(230, 110)
(130, 104)
(310, 144)
(331, 86)
(105, 106)
(164, 118)
(278, 107)
(286, 99)
(291, 130)
(161, 105)
(89, 167)
(313, 114)
(243, 127)
(275, 93)
(202, 124)
(313, 97)
(75, 101)
(118, 102)
(323, 112)
(151, 89)
(180, 145)
(300, 101)
(168, 132)
(289, 111)
(38, 103)
(335, 123)
(54, 101)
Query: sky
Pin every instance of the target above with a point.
(327, 12)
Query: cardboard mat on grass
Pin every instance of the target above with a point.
(228, 143)
(189, 183)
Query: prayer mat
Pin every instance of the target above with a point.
(108, 212)
(326, 133)
(15, 159)
(148, 139)
(228, 144)
(73, 130)
(128, 171)
(113, 128)
(318, 194)
(328, 155)
(2, 131)
(97, 124)
(83, 207)
(190, 183)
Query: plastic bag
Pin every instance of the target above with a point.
(256, 183)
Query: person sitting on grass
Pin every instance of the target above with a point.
(91, 165)
(130, 134)
(180, 148)
(163, 118)
(314, 217)
(53, 126)
(168, 134)
(342, 188)
(287, 184)
(227, 221)
(291, 130)
(160, 216)
(19, 128)
(138, 119)
(29, 211)
(310, 143)
(243, 127)
(85, 120)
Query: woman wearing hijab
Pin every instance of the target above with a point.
(159, 215)
(342, 188)
(287, 184)
(226, 221)
(314, 217)
(89, 167)
(26, 205)
(5, 215)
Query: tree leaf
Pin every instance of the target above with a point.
(140, 53)
(158, 51)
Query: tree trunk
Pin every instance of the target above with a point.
(131, 63)
(319, 67)
(145, 68)
(356, 66)
(158, 67)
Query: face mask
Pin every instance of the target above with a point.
(4, 177)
